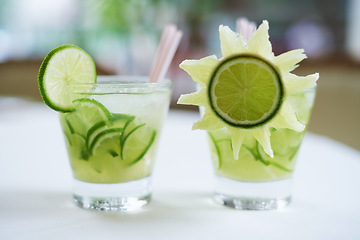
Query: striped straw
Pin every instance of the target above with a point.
(245, 27)
(169, 42)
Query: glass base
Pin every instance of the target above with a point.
(126, 196)
(252, 195)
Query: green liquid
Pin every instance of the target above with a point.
(107, 161)
(112, 138)
(253, 164)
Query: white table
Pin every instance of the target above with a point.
(36, 203)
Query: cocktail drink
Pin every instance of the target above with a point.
(112, 137)
(255, 112)
(111, 127)
(254, 164)
(255, 179)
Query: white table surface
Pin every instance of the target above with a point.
(36, 203)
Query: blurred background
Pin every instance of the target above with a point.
(122, 35)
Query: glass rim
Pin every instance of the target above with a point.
(122, 84)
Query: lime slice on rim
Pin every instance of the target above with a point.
(245, 91)
(64, 65)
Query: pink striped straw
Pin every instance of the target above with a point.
(245, 27)
(169, 42)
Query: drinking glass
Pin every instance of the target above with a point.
(255, 181)
(112, 136)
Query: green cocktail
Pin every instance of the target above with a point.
(112, 136)
(99, 152)
(255, 111)
(111, 126)
(253, 164)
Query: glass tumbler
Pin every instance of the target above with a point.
(255, 181)
(112, 137)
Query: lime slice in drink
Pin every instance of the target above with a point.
(108, 141)
(64, 65)
(75, 124)
(75, 142)
(136, 143)
(91, 111)
(117, 121)
(94, 131)
(120, 120)
(245, 91)
(220, 142)
(77, 147)
(65, 124)
(105, 150)
(216, 156)
(87, 113)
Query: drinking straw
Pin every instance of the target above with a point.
(245, 27)
(169, 42)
